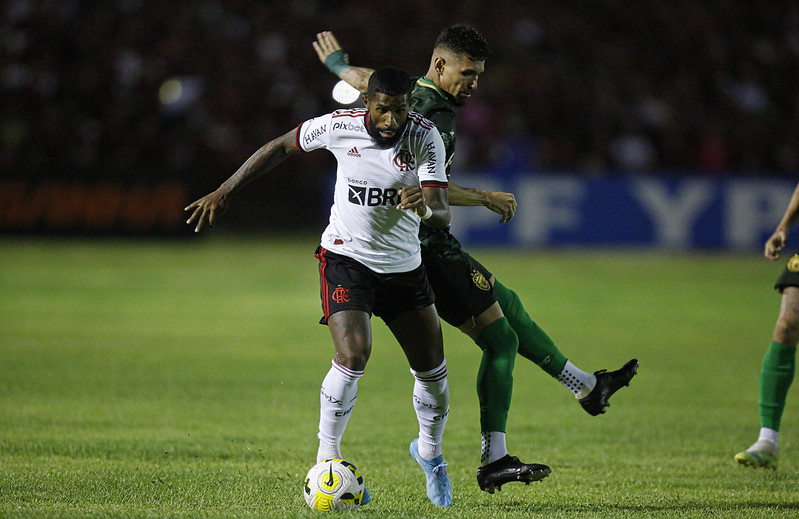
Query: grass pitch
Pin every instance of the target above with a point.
(181, 379)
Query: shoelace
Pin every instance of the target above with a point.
(439, 467)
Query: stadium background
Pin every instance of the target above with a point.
(115, 114)
(179, 377)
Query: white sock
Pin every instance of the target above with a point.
(493, 447)
(576, 380)
(336, 401)
(431, 402)
(769, 435)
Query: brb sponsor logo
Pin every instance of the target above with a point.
(372, 196)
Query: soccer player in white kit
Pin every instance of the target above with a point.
(390, 178)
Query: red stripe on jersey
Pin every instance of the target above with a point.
(297, 138)
(353, 112)
(422, 121)
(323, 282)
(435, 183)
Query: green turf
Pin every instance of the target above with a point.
(181, 379)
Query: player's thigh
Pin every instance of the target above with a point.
(351, 331)
(786, 330)
(405, 303)
(419, 334)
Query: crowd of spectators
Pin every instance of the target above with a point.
(144, 89)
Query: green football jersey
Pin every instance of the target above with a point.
(435, 104)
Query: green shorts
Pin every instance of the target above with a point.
(790, 274)
(461, 284)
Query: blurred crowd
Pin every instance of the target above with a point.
(144, 89)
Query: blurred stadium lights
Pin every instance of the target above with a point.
(178, 94)
(345, 94)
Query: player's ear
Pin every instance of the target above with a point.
(439, 63)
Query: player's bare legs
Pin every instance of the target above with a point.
(776, 375)
(419, 334)
(474, 325)
(786, 330)
(352, 336)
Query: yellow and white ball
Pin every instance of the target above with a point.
(333, 484)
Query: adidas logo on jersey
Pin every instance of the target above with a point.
(353, 152)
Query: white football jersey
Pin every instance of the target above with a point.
(364, 222)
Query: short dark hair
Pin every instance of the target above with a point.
(391, 81)
(464, 40)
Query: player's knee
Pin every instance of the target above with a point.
(500, 341)
(354, 359)
(508, 348)
(508, 299)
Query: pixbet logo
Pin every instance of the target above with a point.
(372, 196)
(349, 127)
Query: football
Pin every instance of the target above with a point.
(333, 485)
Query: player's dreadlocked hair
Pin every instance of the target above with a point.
(464, 40)
(390, 81)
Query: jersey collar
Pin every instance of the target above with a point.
(427, 83)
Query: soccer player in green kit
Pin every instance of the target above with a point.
(467, 294)
(779, 362)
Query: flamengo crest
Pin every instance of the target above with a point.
(405, 160)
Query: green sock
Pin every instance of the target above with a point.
(776, 375)
(534, 343)
(495, 377)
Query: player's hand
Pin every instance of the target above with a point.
(775, 244)
(207, 209)
(325, 45)
(411, 197)
(503, 204)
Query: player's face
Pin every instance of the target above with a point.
(387, 117)
(457, 75)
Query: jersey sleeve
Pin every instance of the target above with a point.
(313, 134)
(432, 163)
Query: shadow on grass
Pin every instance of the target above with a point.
(687, 507)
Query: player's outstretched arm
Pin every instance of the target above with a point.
(776, 241)
(209, 208)
(500, 202)
(333, 57)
